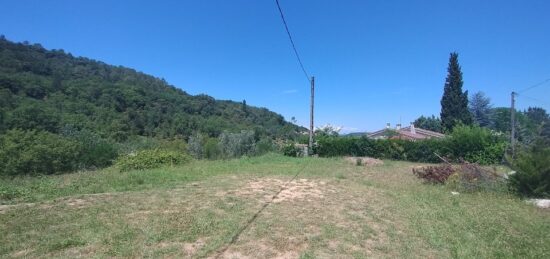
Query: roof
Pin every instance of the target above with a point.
(407, 134)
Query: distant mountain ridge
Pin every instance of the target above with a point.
(49, 89)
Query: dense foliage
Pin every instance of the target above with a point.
(229, 145)
(532, 166)
(147, 159)
(454, 103)
(473, 144)
(429, 123)
(480, 108)
(47, 89)
(61, 113)
(529, 123)
(34, 152)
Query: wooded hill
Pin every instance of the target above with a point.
(50, 89)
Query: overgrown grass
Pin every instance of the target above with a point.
(194, 210)
(33, 189)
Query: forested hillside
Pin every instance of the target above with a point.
(50, 90)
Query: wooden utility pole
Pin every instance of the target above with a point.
(513, 124)
(310, 148)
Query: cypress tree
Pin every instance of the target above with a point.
(454, 103)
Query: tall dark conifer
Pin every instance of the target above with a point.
(454, 103)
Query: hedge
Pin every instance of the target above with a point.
(472, 144)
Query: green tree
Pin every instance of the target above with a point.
(429, 123)
(537, 115)
(480, 108)
(244, 107)
(454, 103)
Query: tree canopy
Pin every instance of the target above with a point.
(454, 103)
(480, 108)
(49, 89)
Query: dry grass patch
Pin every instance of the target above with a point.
(298, 189)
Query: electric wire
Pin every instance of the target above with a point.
(255, 216)
(534, 99)
(292, 41)
(535, 85)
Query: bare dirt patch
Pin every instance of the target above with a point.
(262, 249)
(365, 161)
(299, 189)
(21, 253)
(188, 249)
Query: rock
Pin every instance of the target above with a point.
(541, 203)
(506, 175)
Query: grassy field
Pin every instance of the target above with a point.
(332, 209)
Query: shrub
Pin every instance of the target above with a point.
(358, 162)
(195, 146)
(148, 159)
(264, 146)
(291, 150)
(336, 146)
(212, 149)
(532, 166)
(234, 145)
(476, 145)
(137, 143)
(36, 152)
(473, 144)
(94, 151)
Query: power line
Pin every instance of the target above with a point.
(535, 85)
(534, 99)
(291, 41)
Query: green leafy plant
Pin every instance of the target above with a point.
(37, 152)
(532, 166)
(291, 150)
(148, 159)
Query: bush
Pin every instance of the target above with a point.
(212, 149)
(264, 146)
(37, 152)
(476, 145)
(137, 143)
(94, 151)
(292, 150)
(195, 145)
(473, 144)
(148, 159)
(532, 166)
(234, 145)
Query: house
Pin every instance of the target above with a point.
(408, 133)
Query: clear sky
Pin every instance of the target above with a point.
(374, 61)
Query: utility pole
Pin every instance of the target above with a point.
(513, 124)
(310, 149)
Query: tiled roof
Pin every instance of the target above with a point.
(406, 132)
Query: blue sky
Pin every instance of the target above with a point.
(374, 61)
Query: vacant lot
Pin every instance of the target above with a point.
(209, 209)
